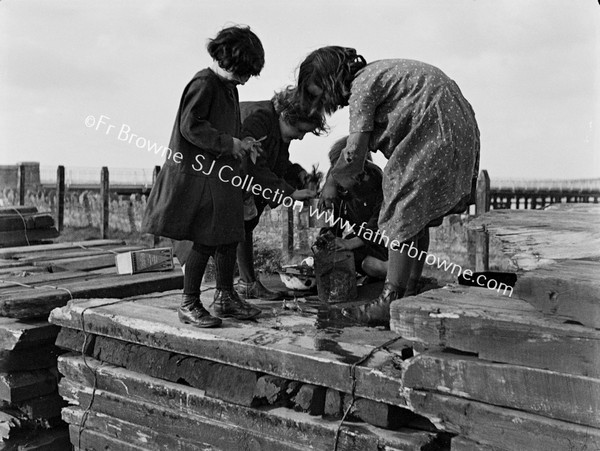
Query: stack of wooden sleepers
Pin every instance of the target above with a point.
(20, 226)
(138, 379)
(519, 372)
(463, 368)
(33, 281)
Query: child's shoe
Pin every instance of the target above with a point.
(377, 312)
(191, 311)
(228, 304)
(256, 290)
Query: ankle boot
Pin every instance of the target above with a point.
(376, 312)
(191, 311)
(228, 304)
(256, 290)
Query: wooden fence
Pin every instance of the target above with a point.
(507, 194)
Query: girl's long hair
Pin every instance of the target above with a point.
(331, 69)
(287, 106)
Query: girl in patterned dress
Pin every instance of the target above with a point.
(418, 118)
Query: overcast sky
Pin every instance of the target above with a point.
(530, 68)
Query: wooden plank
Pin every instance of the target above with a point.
(293, 350)
(172, 431)
(40, 301)
(224, 382)
(17, 268)
(496, 328)
(126, 395)
(97, 261)
(506, 429)
(16, 334)
(461, 444)
(537, 238)
(20, 208)
(12, 283)
(35, 358)
(55, 439)
(52, 254)
(547, 393)
(15, 387)
(29, 221)
(569, 289)
(46, 407)
(10, 251)
(87, 440)
(108, 430)
(16, 237)
(8, 422)
(86, 260)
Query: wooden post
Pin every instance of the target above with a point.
(482, 256)
(155, 238)
(482, 238)
(482, 204)
(287, 238)
(131, 214)
(21, 183)
(303, 230)
(105, 196)
(60, 197)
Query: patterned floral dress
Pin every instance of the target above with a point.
(419, 119)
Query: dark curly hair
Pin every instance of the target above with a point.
(237, 50)
(287, 106)
(332, 69)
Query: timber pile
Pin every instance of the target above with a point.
(462, 368)
(34, 280)
(519, 372)
(139, 379)
(21, 226)
(557, 253)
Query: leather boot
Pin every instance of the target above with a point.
(191, 311)
(228, 304)
(256, 290)
(376, 312)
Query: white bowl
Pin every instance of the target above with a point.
(298, 282)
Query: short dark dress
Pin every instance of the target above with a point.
(261, 121)
(419, 119)
(193, 197)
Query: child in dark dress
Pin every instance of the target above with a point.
(278, 122)
(360, 207)
(190, 199)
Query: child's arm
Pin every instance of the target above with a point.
(351, 163)
(197, 102)
(257, 125)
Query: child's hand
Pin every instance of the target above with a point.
(252, 147)
(339, 244)
(328, 195)
(247, 147)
